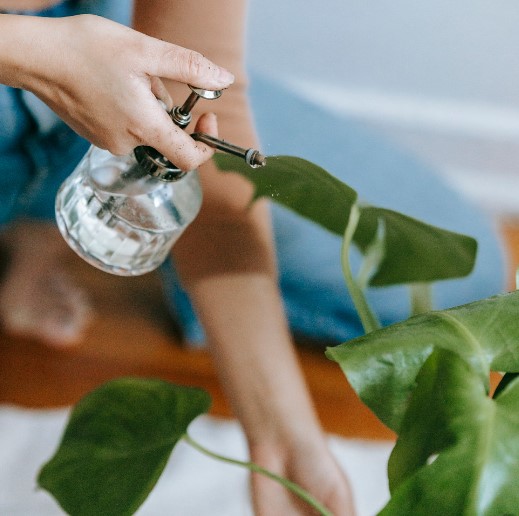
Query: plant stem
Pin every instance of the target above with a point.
(373, 256)
(421, 298)
(251, 466)
(367, 317)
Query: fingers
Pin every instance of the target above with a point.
(159, 90)
(207, 124)
(187, 66)
(190, 67)
(180, 148)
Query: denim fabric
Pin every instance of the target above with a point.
(318, 305)
(37, 151)
(119, 11)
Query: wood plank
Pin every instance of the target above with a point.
(35, 376)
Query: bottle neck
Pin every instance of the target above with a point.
(153, 163)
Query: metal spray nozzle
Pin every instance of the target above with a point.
(181, 115)
(152, 162)
(252, 157)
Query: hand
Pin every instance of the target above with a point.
(103, 79)
(311, 467)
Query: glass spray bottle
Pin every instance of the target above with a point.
(123, 214)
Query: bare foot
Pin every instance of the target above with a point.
(37, 298)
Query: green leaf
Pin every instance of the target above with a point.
(413, 251)
(416, 252)
(382, 366)
(300, 186)
(458, 452)
(116, 444)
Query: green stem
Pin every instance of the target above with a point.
(421, 298)
(251, 466)
(367, 317)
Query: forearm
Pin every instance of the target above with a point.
(226, 258)
(229, 272)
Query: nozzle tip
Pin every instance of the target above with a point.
(255, 159)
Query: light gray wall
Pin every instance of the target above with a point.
(438, 77)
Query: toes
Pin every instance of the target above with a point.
(53, 310)
(60, 329)
(37, 299)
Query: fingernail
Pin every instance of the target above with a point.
(225, 76)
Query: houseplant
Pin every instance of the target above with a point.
(426, 378)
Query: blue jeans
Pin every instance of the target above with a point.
(317, 302)
(38, 151)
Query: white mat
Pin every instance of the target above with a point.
(191, 485)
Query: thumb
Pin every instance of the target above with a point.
(180, 148)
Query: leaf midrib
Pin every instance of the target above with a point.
(467, 336)
(106, 452)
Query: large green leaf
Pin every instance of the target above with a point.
(382, 366)
(413, 251)
(458, 451)
(300, 186)
(116, 444)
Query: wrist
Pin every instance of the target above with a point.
(31, 50)
(282, 420)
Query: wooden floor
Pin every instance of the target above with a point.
(132, 336)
